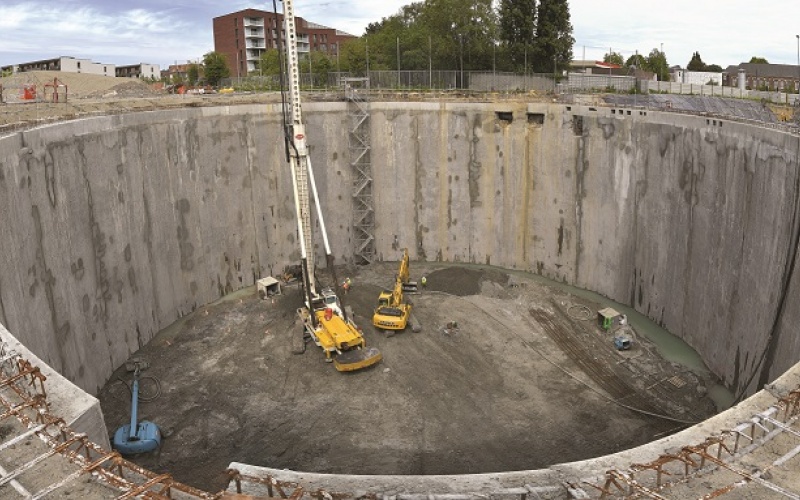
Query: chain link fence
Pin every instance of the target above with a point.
(438, 80)
(496, 81)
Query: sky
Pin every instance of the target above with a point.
(724, 32)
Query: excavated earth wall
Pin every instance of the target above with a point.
(115, 226)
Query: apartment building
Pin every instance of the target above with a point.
(75, 65)
(142, 70)
(244, 35)
(66, 64)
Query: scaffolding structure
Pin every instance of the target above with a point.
(357, 96)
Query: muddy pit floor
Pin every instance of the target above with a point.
(525, 381)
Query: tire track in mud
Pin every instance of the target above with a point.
(602, 374)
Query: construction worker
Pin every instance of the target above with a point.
(424, 281)
(346, 285)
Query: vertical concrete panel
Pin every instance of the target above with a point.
(12, 177)
(554, 212)
(657, 212)
(327, 128)
(604, 190)
(43, 235)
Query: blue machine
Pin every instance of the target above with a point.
(622, 342)
(137, 437)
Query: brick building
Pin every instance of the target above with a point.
(777, 77)
(244, 35)
(178, 72)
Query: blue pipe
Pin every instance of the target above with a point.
(134, 408)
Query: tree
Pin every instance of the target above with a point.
(657, 63)
(758, 60)
(320, 65)
(269, 64)
(553, 43)
(696, 64)
(216, 68)
(462, 30)
(517, 28)
(638, 61)
(353, 56)
(613, 58)
(714, 68)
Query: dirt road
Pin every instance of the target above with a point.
(497, 393)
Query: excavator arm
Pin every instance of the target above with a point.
(393, 312)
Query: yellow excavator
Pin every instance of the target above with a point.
(393, 312)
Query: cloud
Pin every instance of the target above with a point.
(724, 34)
(128, 36)
(351, 16)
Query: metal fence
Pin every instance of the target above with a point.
(481, 81)
(719, 91)
(496, 81)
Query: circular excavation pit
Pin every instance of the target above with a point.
(505, 375)
(124, 224)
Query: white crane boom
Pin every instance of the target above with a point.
(302, 173)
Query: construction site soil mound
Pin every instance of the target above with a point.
(463, 281)
(506, 374)
(79, 85)
(130, 88)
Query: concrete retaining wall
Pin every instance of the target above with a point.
(116, 226)
(79, 410)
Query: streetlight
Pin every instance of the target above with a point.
(430, 63)
(398, 62)
(461, 57)
(798, 65)
(555, 73)
(494, 66)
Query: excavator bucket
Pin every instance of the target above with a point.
(357, 359)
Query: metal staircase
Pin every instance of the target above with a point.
(357, 93)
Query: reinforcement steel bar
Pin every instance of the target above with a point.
(757, 430)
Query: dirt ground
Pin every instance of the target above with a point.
(526, 380)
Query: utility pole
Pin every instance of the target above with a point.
(461, 58)
(430, 63)
(555, 72)
(494, 61)
(526, 59)
(398, 62)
